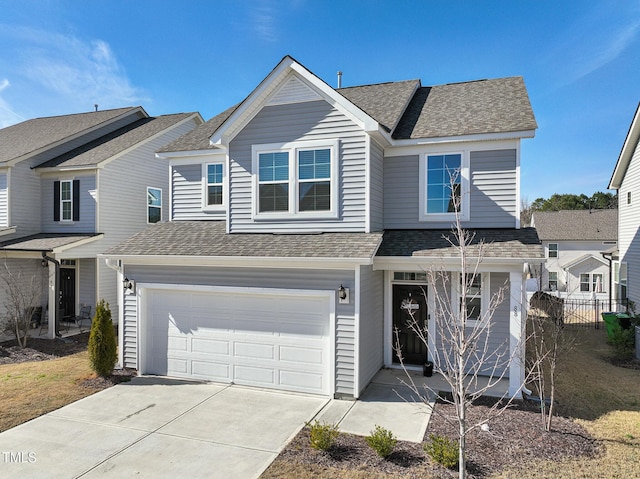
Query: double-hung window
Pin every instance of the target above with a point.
(552, 251)
(295, 180)
(553, 280)
(473, 296)
(214, 179)
(154, 205)
(585, 282)
(66, 200)
(443, 186)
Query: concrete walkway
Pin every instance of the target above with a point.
(154, 427)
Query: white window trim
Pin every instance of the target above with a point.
(70, 201)
(153, 206)
(456, 297)
(292, 148)
(557, 250)
(205, 184)
(557, 280)
(464, 188)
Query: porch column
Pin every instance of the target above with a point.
(516, 335)
(53, 302)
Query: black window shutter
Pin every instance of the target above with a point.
(76, 200)
(56, 201)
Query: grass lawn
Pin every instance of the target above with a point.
(31, 389)
(603, 398)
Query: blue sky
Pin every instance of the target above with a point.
(580, 61)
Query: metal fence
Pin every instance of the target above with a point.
(579, 312)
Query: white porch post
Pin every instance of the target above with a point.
(516, 335)
(53, 302)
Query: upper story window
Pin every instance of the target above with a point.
(552, 251)
(444, 185)
(296, 180)
(214, 175)
(66, 200)
(154, 205)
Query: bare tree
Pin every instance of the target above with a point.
(464, 331)
(526, 211)
(22, 296)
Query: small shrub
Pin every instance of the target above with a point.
(382, 441)
(323, 436)
(623, 342)
(102, 347)
(442, 450)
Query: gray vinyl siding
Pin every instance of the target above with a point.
(29, 275)
(130, 332)
(326, 280)
(314, 120)
(629, 225)
(86, 283)
(187, 201)
(376, 189)
(25, 198)
(87, 222)
(4, 201)
(371, 340)
(107, 286)
(493, 188)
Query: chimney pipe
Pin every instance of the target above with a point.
(339, 79)
(96, 106)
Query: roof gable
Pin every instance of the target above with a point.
(33, 136)
(628, 148)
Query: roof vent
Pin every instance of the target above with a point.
(96, 106)
(339, 79)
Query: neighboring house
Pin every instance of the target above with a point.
(626, 181)
(574, 242)
(304, 218)
(72, 186)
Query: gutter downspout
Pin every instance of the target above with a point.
(56, 287)
(610, 259)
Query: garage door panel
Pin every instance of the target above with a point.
(266, 340)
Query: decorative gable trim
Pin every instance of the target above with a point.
(293, 90)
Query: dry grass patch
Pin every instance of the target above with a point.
(31, 389)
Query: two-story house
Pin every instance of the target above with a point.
(303, 221)
(626, 181)
(574, 241)
(71, 187)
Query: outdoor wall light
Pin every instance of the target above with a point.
(44, 263)
(343, 294)
(129, 285)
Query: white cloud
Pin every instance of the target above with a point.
(7, 115)
(55, 74)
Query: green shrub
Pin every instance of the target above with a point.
(103, 352)
(323, 436)
(382, 441)
(442, 450)
(623, 342)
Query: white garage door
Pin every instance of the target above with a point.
(246, 337)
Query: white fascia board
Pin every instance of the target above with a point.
(21, 254)
(48, 172)
(414, 263)
(510, 135)
(8, 230)
(186, 154)
(77, 135)
(628, 148)
(469, 145)
(75, 244)
(211, 155)
(241, 261)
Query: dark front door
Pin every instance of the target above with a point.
(409, 307)
(68, 292)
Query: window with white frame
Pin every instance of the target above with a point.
(473, 298)
(585, 282)
(553, 280)
(474, 295)
(296, 179)
(154, 205)
(597, 282)
(552, 251)
(443, 185)
(214, 184)
(66, 200)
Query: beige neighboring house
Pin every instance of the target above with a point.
(575, 243)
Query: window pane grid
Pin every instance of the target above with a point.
(215, 177)
(443, 182)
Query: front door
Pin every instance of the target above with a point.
(409, 307)
(68, 292)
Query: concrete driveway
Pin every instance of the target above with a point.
(154, 427)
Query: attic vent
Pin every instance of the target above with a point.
(293, 90)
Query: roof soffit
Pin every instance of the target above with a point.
(269, 88)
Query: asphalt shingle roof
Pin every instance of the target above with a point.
(499, 243)
(44, 241)
(106, 146)
(384, 102)
(577, 225)
(209, 238)
(32, 135)
(485, 106)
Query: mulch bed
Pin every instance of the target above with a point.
(514, 438)
(44, 349)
